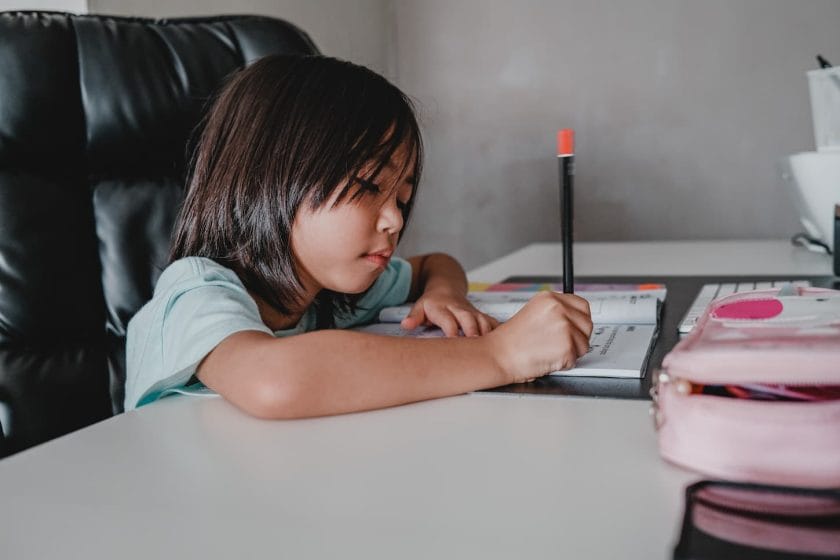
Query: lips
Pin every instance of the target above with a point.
(380, 258)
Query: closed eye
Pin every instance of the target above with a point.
(372, 188)
(368, 186)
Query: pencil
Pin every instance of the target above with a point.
(566, 159)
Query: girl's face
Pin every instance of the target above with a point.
(346, 247)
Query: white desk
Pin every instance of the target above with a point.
(666, 258)
(475, 476)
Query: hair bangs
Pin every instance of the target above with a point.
(378, 143)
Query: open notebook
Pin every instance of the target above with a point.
(625, 317)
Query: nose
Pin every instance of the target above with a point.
(390, 218)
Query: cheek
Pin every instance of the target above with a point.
(331, 232)
(335, 226)
(304, 236)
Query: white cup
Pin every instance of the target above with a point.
(814, 178)
(824, 90)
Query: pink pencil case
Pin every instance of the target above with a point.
(753, 392)
(744, 520)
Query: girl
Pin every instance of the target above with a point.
(303, 179)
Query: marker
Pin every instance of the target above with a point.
(566, 159)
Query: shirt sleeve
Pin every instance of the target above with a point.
(391, 288)
(194, 308)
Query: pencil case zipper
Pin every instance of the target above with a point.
(688, 388)
(776, 442)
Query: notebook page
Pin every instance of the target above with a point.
(606, 307)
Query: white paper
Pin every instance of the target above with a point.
(625, 327)
(615, 351)
(632, 307)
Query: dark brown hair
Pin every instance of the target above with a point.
(284, 131)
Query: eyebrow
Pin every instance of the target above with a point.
(410, 179)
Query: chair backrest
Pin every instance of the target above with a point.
(95, 116)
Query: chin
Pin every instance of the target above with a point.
(355, 287)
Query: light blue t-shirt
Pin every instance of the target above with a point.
(198, 303)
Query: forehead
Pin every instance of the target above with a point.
(402, 163)
(404, 156)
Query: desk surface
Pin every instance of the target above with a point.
(665, 258)
(482, 475)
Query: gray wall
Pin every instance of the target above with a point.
(681, 107)
(75, 6)
(357, 30)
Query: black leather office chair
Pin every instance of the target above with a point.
(95, 115)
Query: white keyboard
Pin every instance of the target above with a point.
(711, 292)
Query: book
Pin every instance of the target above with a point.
(625, 319)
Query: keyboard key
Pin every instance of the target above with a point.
(711, 292)
(725, 290)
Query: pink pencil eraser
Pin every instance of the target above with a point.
(566, 142)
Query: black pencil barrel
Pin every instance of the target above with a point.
(567, 172)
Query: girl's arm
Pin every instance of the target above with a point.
(436, 271)
(439, 287)
(334, 371)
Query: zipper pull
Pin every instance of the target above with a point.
(686, 387)
(660, 379)
(787, 289)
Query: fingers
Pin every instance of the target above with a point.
(575, 309)
(444, 319)
(581, 321)
(448, 324)
(473, 322)
(579, 329)
(415, 318)
(581, 343)
(468, 321)
(574, 321)
(574, 301)
(486, 323)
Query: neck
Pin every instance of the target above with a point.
(273, 319)
(277, 321)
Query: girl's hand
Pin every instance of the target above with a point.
(549, 334)
(449, 311)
